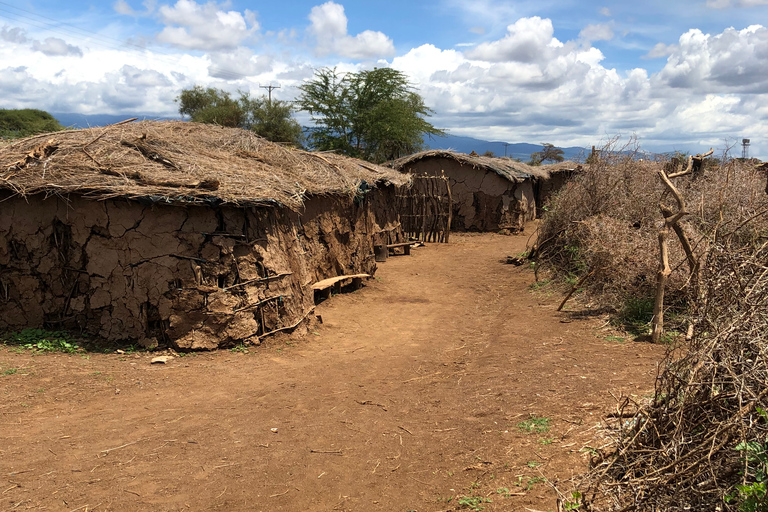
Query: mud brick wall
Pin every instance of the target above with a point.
(482, 200)
(194, 277)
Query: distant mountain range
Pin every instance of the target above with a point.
(457, 143)
(521, 150)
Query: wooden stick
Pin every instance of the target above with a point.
(121, 446)
(257, 280)
(257, 304)
(289, 327)
(661, 281)
(574, 288)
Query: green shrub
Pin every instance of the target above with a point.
(26, 122)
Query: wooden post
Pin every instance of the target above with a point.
(671, 221)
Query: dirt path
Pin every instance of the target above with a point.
(407, 398)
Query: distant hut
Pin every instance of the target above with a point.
(551, 178)
(488, 193)
(193, 235)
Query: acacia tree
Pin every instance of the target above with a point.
(375, 115)
(272, 119)
(548, 152)
(266, 117)
(212, 106)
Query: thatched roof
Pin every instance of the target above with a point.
(566, 166)
(507, 168)
(180, 162)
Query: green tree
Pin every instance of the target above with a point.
(212, 106)
(548, 152)
(375, 115)
(270, 119)
(26, 122)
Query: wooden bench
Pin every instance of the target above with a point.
(405, 245)
(333, 284)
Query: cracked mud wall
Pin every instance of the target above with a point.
(482, 200)
(194, 277)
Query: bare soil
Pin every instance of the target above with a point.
(407, 398)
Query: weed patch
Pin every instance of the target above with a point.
(41, 340)
(534, 424)
(635, 316)
(473, 502)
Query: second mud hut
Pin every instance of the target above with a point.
(488, 193)
(183, 234)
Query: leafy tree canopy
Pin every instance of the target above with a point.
(26, 122)
(268, 118)
(548, 152)
(374, 115)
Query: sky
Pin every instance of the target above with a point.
(681, 75)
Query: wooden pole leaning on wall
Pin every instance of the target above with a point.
(450, 208)
(671, 223)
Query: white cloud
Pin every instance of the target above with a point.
(527, 40)
(604, 11)
(238, 63)
(53, 47)
(13, 34)
(597, 32)
(206, 27)
(731, 61)
(136, 77)
(329, 27)
(660, 50)
(124, 8)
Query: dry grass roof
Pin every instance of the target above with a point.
(180, 162)
(566, 166)
(507, 168)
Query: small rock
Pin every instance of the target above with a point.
(120, 351)
(274, 430)
(161, 359)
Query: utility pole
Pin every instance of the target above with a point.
(269, 88)
(505, 149)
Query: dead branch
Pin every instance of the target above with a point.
(671, 222)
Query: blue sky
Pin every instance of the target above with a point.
(686, 74)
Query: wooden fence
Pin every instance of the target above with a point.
(425, 209)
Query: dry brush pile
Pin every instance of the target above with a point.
(604, 224)
(701, 443)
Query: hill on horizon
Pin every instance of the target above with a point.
(520, 150)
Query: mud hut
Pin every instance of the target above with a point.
(551, 178)
(192, 235)
(488, 193)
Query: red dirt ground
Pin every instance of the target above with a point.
(407, 398)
